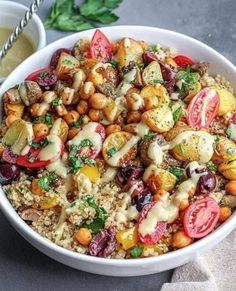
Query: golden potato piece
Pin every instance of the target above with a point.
(159, 119)
(110, 110)
(154, 96)
(67, 65)
(119, 148)
(129, 51)
(152, 73)
(225, 150)
(228, 170)
(227, 101)
(60, 128)
(15, 109)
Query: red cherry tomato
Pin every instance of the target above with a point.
(183, 61)
(201, 217)
(30, 160)
(203, 108)
(100, 47)
(33, 76)
(159, 230)
(57, 54)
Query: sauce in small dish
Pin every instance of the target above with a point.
(21, 49)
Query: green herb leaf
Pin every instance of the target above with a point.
(177, 172)
(136, 251)
(149, 135)
(114, 63)
(188, 79)
(79, 123)
(40, 144)
(56, 102)
(153, 48)
(177, 113)
(211, 166)
(44, 119)
(158, 82)
(111, 152)
(46, 181)
(98, 223)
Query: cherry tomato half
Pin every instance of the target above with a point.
(100, 47)
(183, 61)
(159, 230)
(33, 76)
(203, 108)
(201, 217)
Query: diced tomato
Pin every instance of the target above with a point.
(203, 108)
(159, 230)
(100, 47)
(201, 217)
(183, 61)
(33, 76)
(57, 54)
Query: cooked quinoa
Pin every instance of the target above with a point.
(120, 150)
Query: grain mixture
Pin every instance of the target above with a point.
(120, 150)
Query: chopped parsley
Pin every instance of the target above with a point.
(45, 182)
(44, 119)
(40, 144)
(229, 133)
(111, 152)
(79, 122)
(114, 63)
(56, 102)
(98, 223)
(158, 82)
(211, 166)
(136, 251)
(149, 135)
(177, 113)
(177, 172)
(188, 80)
(153, 48)
(43, 74)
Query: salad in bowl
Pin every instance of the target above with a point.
(120, 149)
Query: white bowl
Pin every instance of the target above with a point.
(10, 15)
(114, 267)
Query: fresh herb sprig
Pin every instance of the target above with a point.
(45, 182)
(65, 15)
(188, 80)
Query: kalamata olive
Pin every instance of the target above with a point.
(148, 57)
(128, 173)
(47, 81)
(206, 183)
(171, 86)
(9, 157)
(134, 185)
(167, 73)
(56, 56)
(103, 243)
(141, 199)
(201, 68)
(8, 173)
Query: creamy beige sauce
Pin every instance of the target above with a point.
(56, 128)
(155, 153)
(115, 159)
(52, 151)
(109, 174)
(21, 49)
(58, 167)
(88, 132)
(167, 208)
(125, 85)
(141, 129)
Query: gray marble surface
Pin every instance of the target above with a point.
(24, 268)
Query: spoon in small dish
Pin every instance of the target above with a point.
(19, 28)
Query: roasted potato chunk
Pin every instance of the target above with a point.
(228, 169)
(15, 109)
(227, 101)
(152, 73)
(154, 96)
(129, 51)
(119, 148)
(66, 66)
(159, 119)
(225, 150)
(60, 128)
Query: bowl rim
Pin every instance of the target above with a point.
(26, 231)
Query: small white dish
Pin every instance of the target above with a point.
(10, 15)
(115, 267)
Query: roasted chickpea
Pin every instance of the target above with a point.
(40, 129)
(183, 204)
(71, 117)
(225, 213)
(230, 187)
(10, 119)
(61, 110)
(180, 240)
(87, 90)
(82, 107)
(73, 132)
(34, 109)
(67, 95)
(94, 115)
(83, 236)
(98, 101)
(112, 128)
(134, 117)
(39, 109)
